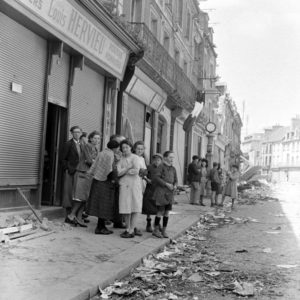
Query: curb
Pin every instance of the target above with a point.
(140, 251)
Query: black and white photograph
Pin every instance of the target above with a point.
(150, 149)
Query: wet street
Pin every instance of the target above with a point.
(252, 250)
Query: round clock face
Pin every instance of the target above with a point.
(210, 127)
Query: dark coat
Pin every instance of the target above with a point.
(70, 157)
(165, 174)
(194, 173)
(149, 203)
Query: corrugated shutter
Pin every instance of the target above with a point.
(58, 80)
(87, 100)
(136, 116)
(23, 60)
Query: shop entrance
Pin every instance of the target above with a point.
(55, 138)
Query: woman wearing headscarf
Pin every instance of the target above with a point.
(100, 203)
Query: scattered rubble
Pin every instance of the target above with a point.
(188, 267)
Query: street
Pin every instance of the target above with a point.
(253, 250)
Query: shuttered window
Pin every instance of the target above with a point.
(136, 116)
(87, 100)
(23, 61)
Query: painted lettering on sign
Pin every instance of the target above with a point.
(70, 21)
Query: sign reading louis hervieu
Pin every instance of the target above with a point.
(66, 18)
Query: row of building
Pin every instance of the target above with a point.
(132, 67)
(276, 151)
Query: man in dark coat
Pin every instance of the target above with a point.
(194, 180)
(70, 160)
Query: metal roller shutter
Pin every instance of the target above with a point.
(87, 100)
(136, 116)
(59, 80)
(23, 60)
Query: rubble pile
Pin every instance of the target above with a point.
(257, 191)
(15, 228)
(189, 269)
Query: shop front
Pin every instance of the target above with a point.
(59, 67)
(143, 100)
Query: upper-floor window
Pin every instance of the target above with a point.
(177, 57)
(188, 25)
(166, 41)
(180, 12)
(136, 11)
(154, 26)
(185, 67)
(169, 4)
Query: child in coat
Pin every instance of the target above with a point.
(165, 185)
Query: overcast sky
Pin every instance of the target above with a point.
(258, 46)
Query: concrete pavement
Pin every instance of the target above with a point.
(72, 263)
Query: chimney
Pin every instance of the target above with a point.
(296, 122)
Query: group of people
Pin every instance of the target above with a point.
(221, 183)
(116, 185)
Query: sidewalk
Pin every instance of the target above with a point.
(73, 262)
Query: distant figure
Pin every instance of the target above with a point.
(165, 185)
(149, 203)
(194, 180)
(231, 185)
(203, 179)
(215, 184)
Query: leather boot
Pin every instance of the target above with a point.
(156, 232)
(164, 232)
(149, 227)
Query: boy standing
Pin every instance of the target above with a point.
(215, 184)
(165, 182)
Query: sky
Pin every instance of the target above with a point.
(258, 47)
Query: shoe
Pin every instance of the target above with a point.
(149, 228)
(221, 205)
(71, 222)
(79, 223)
(202, 204)
(137, 232)
(164, 233)
(126, 235)
(104, 231)
(84, 215)
(86, 220)
(108, 222)
(119, 225)
(156, 232)
(212, 205)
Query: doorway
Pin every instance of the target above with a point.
(55, 138)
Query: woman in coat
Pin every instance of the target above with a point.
(231, 185)
(130, 190)
(101, 202)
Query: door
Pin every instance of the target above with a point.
(55, 137)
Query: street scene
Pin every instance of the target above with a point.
(150, 149)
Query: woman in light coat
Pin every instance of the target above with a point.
(231, 185)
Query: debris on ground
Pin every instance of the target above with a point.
(188, 267)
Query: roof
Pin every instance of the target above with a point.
(276, 135)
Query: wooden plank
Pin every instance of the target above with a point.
(21, 234)
(16, 229)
